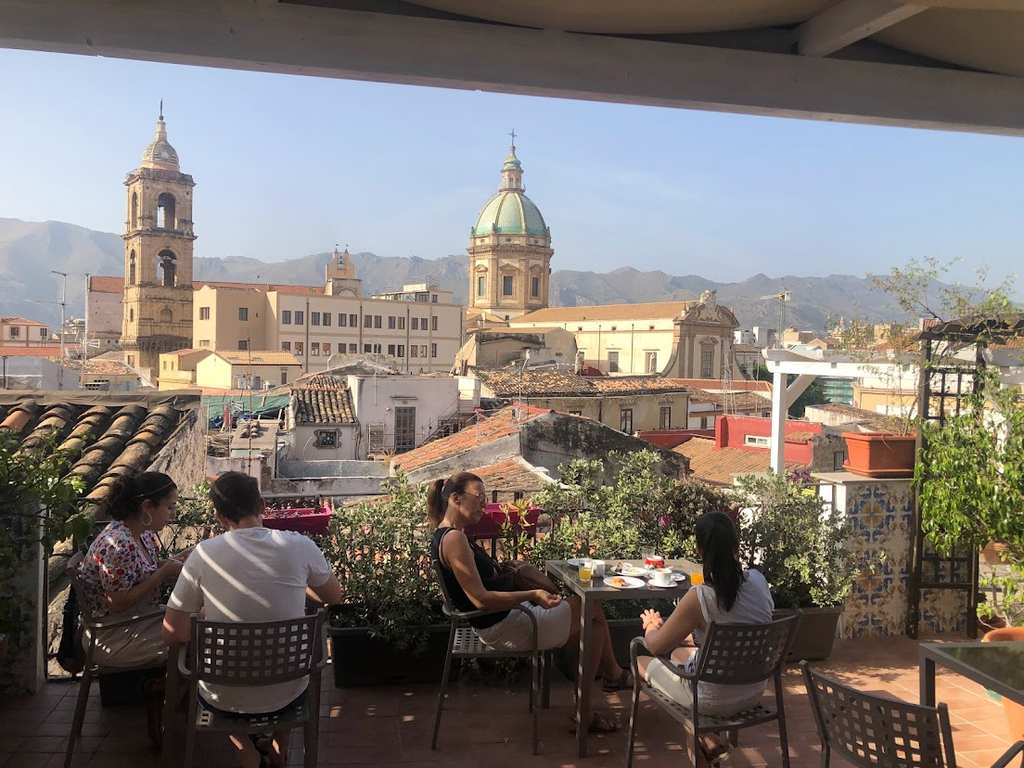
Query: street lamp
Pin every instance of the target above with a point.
(60, 336)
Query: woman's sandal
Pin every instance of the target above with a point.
(624, 682)
(713, 756)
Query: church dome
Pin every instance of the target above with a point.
(510, 211)
(160, 153)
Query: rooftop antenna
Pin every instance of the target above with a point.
(783, 297)
(161, 109)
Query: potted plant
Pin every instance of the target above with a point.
(800, 548)
(390, 629)
(880, 454)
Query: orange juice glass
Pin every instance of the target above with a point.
(697, 577)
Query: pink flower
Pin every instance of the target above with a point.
(664, 521)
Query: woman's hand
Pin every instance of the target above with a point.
(651, 619)
(169, 569)
(545, 599)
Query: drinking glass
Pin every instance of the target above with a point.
(648, 554)
(586, 572)
(697, 577)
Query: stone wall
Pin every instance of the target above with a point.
(183, 456)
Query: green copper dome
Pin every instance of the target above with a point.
(510, 212)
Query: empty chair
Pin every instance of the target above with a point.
(732, 654)
(869, 731)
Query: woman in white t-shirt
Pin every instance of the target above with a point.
(250, 574)
(730, 594)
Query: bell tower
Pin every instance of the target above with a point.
(158, 239)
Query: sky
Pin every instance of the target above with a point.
(286, 166)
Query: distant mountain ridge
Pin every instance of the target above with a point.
(29, 250)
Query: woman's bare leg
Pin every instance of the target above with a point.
(604, 662)
(248, 755)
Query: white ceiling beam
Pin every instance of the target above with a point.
(849, 21)
(360, 45)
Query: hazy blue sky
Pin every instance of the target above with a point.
(287, 166)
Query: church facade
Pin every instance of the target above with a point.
(158, 239)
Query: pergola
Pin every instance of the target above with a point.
(947, 64)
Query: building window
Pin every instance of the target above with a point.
(651, 362)
(367, 348)
(665, 417)
(757, 441)
(376, 349)
(299, 349)
(204, 342)
(391, 350)
(314, 318)
(613, 361)
(391, 322)
(342, 320)
(286, 346)
(535, 286)
(286, 317)
(131, 314)
(401, 350)
(353, 348)
(433, 323)
(326, 438)
(707, 363)
(413, 350)
(415, 323)
(131, 361)
(401, 323)
(243, 314)
(284, 376)
(506, 285)
(423, 350)
(575, 413)
(15, 333)
(703, 422)
(327, 319)
(481, 286)
(377, 321)
(353, 320)
(327, 348)
(433, 298)
(314, 349)
(626, 420)
(367, 321)
(433, 350)
(204, 313)
(838, 459)
(300, 317)
(243, 344)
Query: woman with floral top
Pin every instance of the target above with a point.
(122, 572)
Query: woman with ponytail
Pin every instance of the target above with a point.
(122, 572)
(730, 594)
(475, 581)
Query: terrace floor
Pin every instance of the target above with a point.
(490, 725)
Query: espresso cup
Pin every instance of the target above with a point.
(662, 577)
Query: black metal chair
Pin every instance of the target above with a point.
(875, 731)
(732, 654)
(91, 628)
(246, 654)
(464, 643)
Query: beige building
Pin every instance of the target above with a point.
(672, 338)
(178, 369)
(498, 347)
(416, 330)
(509, 253)
(246, 370)
(158, 238)
(21, 332)
(104, 312)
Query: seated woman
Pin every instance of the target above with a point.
(122, 572)
(475, 581)
(730, 594)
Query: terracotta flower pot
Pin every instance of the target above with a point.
(1014, 712)
(879, 454)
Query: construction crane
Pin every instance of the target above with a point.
(783, 297)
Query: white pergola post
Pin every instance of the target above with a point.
(779, 411)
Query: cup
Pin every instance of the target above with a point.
(598, 568)
(662, 577)
(647, 553)
(586, 572)
(697, 577)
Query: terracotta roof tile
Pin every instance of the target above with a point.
(323, 399)
(534, 383)
(510, 476)
(721, 465)
(739, 401)
(644, 311)
(258, 357)
(502, 424)
(47, 351)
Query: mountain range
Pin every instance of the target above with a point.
(30, 250)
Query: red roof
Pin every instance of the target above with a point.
(19, 320)
(49, 352)
(502, 424)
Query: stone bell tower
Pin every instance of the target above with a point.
(158, 239)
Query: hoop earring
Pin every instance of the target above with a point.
(147, 519)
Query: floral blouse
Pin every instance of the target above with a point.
(116, 562)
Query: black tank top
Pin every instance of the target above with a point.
(493, 580)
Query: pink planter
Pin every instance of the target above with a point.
(309, 521)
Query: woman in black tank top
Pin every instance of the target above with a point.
(475, 581)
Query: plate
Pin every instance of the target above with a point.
(624, 582)
(633, 571)
(575, 562)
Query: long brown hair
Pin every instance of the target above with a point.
(717, 540)
(441, 490)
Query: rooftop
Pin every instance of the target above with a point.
(323, 399)
(721, 465)
(258, 357)
(652, 310)
(19, 320)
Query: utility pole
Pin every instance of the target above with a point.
(63, 303)
(85, 332)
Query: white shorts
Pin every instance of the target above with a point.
(721, 700)
(515, 631)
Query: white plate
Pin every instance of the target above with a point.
(575, 562)
(633, 571)
(624, 582)
(679, 577)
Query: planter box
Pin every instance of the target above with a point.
(311, 522)
(815, 632)
(360, 658)
(880, 454)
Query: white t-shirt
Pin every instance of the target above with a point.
(250, 574)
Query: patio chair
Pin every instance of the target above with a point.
(254, 654)
(92, 669)
(870, 731)
(732, 654)
(464, 643)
